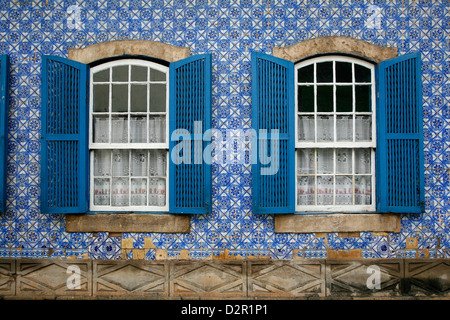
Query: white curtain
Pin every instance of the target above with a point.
(119, 130)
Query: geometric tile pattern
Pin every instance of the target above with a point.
(230, 31)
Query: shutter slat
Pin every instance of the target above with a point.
(273, 108)
(400, 181)
(64, 147)
(190, 184)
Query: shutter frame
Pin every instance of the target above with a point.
(4, 106)
(287, 138)
(184, 194)
(79, 158)
(399, 195)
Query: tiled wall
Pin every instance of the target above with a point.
(229, 30)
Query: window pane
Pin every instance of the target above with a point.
(157, 191)
(101, 129)
(157, 163)
(119, 130)
(363, 96)
(325, 128)
(306, 74)
(157, 129)
(102, 163)
(138, 129)
(325, 159)
(324, 98)
(344, 190)
(120, 73)
(325, 72)
(305, 98)
(138, 98)
(344, 98)
(363, 128)
(119, 98)
(101, 76)
(102, 192)
(156, 75)
(343, 161)
(138, 73)
(138, 192)
(362, 161)
(306, 161)
(343, 72)
(306, 128)
(101, 98)
(363, 190)
(325, 190)
(362, 74)
(157, 97)
(120, 163)
(139, 160)
(305, 191)
(344, 128)
(120, 192)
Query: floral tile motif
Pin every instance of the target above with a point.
(230, 31)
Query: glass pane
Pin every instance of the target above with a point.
(157, 97)
(344, 98)
(157, 191)
(102, 163)
(325, 190)
(325, 72)
(120, 73)
(363, 128)
(119, 130)
(157, 163)
(343, 161)
(325, 159)
(156, 75)
(119, 98)
(362, 74)
(101, 129)
(120, 192)
(343, 72)
(101, 97)
(138, 192)
(363, 190)
(363, 97)
(138, 98)
(305, 98)
(101, 76)
(139, 160)
(325, 99)
(306, 159)
(102, 192)
(306, 128)
(305, 191)
(138, 73)
(157, 129)
(344, 188)
(362, 161)
(138, 129)
(325, 128)
(306, 74)
(344, 128)
(120, 163)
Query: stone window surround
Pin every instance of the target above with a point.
(171, 223)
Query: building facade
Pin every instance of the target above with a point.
(202, 61)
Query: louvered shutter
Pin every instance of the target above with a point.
(64, 145)
(4, 93)
(400, 177)
(273, 106)
(190, 102)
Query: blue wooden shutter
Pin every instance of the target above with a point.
(190, 101)
(273, 104)
(400, 177)
(64, 144)
(4, 93)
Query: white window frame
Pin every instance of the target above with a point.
(128, 146)
(336, 144)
